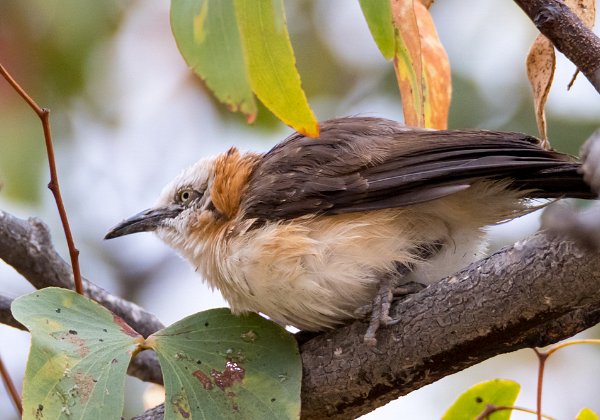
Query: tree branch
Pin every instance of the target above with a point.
(539, 291)
(568, 33)
(26, 246)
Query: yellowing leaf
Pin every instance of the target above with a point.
(436, 68)
(271, 63)
(421, 64)
(472, 402)
(76, 368)
(408, 62)
(207, 35)
(541, 62)
(586, 414)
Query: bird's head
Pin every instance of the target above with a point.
(182, 202)
(199, 201)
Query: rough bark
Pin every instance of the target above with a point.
(26, 246)
(537, 292)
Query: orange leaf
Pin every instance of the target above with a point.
(407, 62)
(541, 62)
(436, 67)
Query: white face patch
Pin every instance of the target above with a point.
(198, 176)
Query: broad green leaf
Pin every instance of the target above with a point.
(220, 366)
(271, 63)
(78, 359)
(207, 35)
(586, 414)
(471, 403)
(378, 14)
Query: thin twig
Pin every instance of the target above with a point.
(542, 357)
(10, 387)
(53, 185)
(490, 408)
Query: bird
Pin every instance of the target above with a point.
(317, 232)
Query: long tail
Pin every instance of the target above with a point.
(562, 181)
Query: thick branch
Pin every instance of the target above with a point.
(535, 293)
(539, 291)
(27, 247)
(6, 316)
(569, 35)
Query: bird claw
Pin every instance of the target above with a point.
(380, 308)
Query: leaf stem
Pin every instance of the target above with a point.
(53, 185)
(10, 387)
(491, 408)
(543, 356)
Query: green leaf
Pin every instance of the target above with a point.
(78, 359)
(207, 35)
(220, 366)
(271, 63)
(378, 14)
(586, 414)
(471, 403)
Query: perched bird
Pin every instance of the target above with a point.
(316, 230)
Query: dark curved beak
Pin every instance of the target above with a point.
(145, 221)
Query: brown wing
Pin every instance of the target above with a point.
(362, 164)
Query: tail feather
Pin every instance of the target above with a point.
(562, 181)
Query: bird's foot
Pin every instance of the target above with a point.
(380, 308)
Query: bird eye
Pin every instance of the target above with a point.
(186, 196)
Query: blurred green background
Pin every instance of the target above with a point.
(127, 115)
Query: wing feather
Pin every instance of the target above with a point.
(361, 164)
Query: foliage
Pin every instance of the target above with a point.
(471, 403)
(215, 364)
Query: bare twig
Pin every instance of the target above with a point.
(568, 33)
(490, 409)
(543, 356)
(54, 186)
(10, 387)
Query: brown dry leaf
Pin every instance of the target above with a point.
(436, 67)
(586, 10)
(541, 62)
